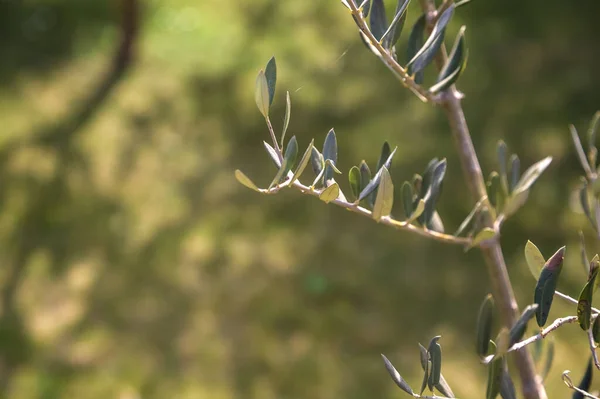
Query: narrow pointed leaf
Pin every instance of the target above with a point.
(330, 152)
(385, 196)
(532, 174)
(407, 199)
(484, 325)
(245, 180)
(330, 193)
(502, 341)
(418, 211)
(377, 19)
(485, 234)
(456, 63)
(271, 76)
(518, 330)
(415, 42)
(535, 259)
(286, 119)
(585, 203)
(425, 55)
(396, 376)
(385, 153)
(515, 202)
(596, 329)
(495, 373)
(273, 154)
(354, 180)
(372, 185)
(303, 162)
(392, 34)
(546, 286)
(443, 386)
(425, 376)
(584, 305)
(501, 152)
(433, 191)
(493, 189)
(261, 94)
(507, 387)
(365, 175)
(318, 166)
(467, 222)
(580, 152)
(592, 130)
(289, 161)
(515, 170)
(435, 354)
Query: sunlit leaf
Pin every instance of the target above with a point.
(385, 196)
(289, 161)
(435, 355)
(584, 304)
(261, 94)
(374, 182)
(502, 341)
(377, 19)
(418, 211)
(484, 325)
(318, 165)
(425, 55)
(532, 174)
(579, 149)
(456, 63)
(330, 151)
(385, 154)
(330, 193)
(354, 180)
(271, 76)
(515, 170)
(396, 376)
(245, 180)
(518, 329)
(433, 191)
(303, 162)
(535, 259)
(392, 34)
(415, 42)
(546, 286)
(515, 202)
(485, 234)
(286, 119)
(272, 154)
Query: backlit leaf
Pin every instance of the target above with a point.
(261, 94)
(272, 154)
(303, 162)
(418, 211)
(354, 180)
(385, 196)
(289, 161)
(330, 193)
(485, 234)
(245, 180)
(532, 174)
(435, 355)
(546, 286)
(579, 149)
(515, 170)
(374, 182)
(535, 259)
(385, 154)
(391, 35)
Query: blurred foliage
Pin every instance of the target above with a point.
(132, 264)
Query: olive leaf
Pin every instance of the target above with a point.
(534, 258)
(385, 196)
(546, 286)
(456, 63)
(396, 377)
(484, 325)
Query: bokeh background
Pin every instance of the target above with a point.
(133, 265)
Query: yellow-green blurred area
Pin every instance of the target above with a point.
(133, 265)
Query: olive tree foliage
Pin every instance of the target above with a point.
(369, 191)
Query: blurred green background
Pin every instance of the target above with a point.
(133, 265)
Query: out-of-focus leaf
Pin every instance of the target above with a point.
(585, 203)
(417, 182)
(485, 234)
(584, 305)
(495, 372)
(354, 179)
(261, 94)
(271, 76)
(289, 161)
(303, 162)
(502, 341)
(392, 34)
(418, 211)
(549, 360)
(596, 329)
(366, 8)
(507, 387)
(330, 193)
(407, 199)
(378, 19)
(435, 354)
(317, 162)
(518, 330)
(245, 180)
(396, 376)
(286, 119)
(456, 63)
(365, 175)
(484, 325)
(330, 151)
(515, 202)
(585, 383)
(532, 174)
(273, 154)
(425, 55)
(415, 42)
(461, 3)
(579, 149)
(385, 154)
(535, 259)
(436, 224)
(443, 386)
(494, 190)
(584, 258)
(546, 286)
(594, 264)
(592, 151)
(372, 185)
(515, 170)
(433, 192)
(467, 222)
(385, 196)
(501, 151)
(425, 376)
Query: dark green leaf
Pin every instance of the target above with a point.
(392, 34)
(303, 162)
(435, 354)
(425, 55)
(407, 199)
(456, 63)
(584, 305)
(286, 119)
(366, 7)
(396, 376)
(433, 192)
(515, 170)
(261, 94)
(443, 386)
(494, 189)
(484, 325)
(354, 179)
(495, 373)
(532, 174)
(377, 19)
(518, 330)
(535, 259)
(586, 382)
(507, 388)
(330, 152)
(385, 196)
(425, 376)
(596, 330)
(289, 161)
(415, 42)
(273, 154)
(365, 175)
(546, 286)
(372, 185)
(271, 76)
(316, 160)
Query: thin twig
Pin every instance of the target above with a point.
(542, 334)
(593, 347)
(572, 300)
